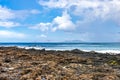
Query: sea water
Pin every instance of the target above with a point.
(99, 47)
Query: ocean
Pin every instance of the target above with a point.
(98, 47)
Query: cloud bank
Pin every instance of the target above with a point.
(84, 10)
(11, 34)
(8, 16)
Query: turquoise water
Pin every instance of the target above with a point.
(67, 46)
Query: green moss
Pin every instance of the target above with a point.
(113, 62)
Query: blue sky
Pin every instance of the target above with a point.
(59, 20)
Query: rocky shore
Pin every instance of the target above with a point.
(30, 64)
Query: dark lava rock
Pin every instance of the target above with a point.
(42, 50)
(7, 60)
(31, 64)
(76, 51)
(0, 64)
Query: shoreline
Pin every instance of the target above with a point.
(23, 64)
(97, 51)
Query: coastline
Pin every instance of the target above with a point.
(111, 47)
(22, 64)
(109, 51)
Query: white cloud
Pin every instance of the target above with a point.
(54, 3)
(8, 16)
(43, 36)
(6, 13)
(63, 23)
(41, 26)
(34, 11)
(59, 23)
(90, 10)
(5, 16)
(11, 34)
(8, 24)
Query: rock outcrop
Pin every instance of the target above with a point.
(21, 64)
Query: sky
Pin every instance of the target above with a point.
(59, 20)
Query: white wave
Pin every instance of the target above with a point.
(105, 51)
(110, 51)
(61, 49)
(37, 48)
(99, 51)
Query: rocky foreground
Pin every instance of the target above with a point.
(21, 64)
